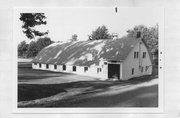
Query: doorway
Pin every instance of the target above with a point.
(114, 71)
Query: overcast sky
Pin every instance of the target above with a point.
(62, 23)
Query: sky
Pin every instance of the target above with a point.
(62, 23)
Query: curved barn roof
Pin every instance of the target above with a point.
(86, 53)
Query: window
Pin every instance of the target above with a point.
(144, 54)
(105, 63)
(136, 55)
(142, 69)
(85, 69)
(74, 68)
(132, 71)
(99, 70)
(64, 67)
(35, 63)
(146, 68)
(55, 66)
(39, 65)
(47, 65)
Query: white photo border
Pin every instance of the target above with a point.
(104, 110)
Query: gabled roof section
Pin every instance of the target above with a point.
(86, 53)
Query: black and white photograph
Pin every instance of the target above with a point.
(88, 57)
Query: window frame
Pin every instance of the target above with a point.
(47, 66)
(64, 67)
(55, 66)
(74, 68)
(146, 68)
(142, 69)
(132, 71)
(135, 55)
(85, 69)
(40, 65)
(144, 55)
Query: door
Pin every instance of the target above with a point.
(114, 71)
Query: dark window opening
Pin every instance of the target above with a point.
(134, 54)
(39, 65)
(146, 68)
(142, 69)
(47, 65)
(35, 63)
(137, 54)
(74, 68)
(132, 71)
(85, 69)
(64, 67)
(55, 66)
(144, 54)
(105, 63)
(98, 70)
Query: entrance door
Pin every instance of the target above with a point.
(114, 71)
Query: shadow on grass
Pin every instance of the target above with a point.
(134, 98)
(30, 92)
(25, 72)
(36, 91)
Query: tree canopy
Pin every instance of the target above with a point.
(32, 49)
(100, 33)
(30, 20)
(22, 49)
(74, 37)
(149, 35)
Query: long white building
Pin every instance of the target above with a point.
(121, 58)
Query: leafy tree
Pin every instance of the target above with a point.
(32, 49)
(74, 37)
(99, 33)
(31, 20)
(22, 49)
(43, 42)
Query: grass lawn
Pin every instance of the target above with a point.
(38, 88)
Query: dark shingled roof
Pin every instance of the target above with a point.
(86, 53)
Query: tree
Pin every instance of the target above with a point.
(22, 49)
(30, 20)
(74, 37)
(99, 33)
(43, 42)
(32, 49)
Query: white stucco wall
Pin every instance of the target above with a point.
(132, 62)
(92, 71)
